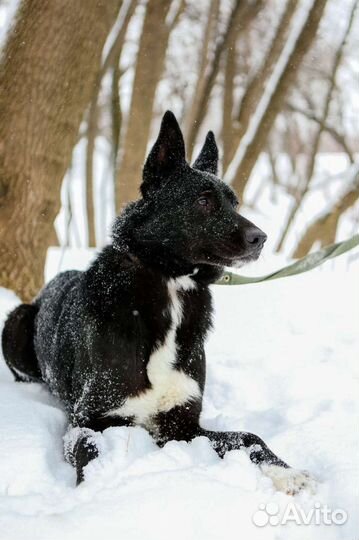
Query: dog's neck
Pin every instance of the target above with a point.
(155, 259)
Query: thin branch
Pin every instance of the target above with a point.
(331, 130)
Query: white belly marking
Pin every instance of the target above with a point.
(170, 386)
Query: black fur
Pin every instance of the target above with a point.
(90, 335)
(18, 344)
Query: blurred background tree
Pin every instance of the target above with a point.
(48, 68)
(83, 87)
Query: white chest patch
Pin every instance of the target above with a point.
(170, 386)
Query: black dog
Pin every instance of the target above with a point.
(123, 343)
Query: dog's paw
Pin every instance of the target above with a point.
(290, 481)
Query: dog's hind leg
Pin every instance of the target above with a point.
(18, 344)
(81, 445)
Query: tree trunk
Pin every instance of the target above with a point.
(256, 86)
(111, 62)
(150, 62)
(314, 147)
(209, 37)
(228, 91)
(325, 227)
(272, 101)
(239, 19)
(48, 67)
(92, 127)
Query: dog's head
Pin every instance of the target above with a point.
(188, 212)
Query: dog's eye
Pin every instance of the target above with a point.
(203, 201)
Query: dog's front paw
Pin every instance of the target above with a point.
(290, 481)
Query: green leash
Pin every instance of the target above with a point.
(302, 265)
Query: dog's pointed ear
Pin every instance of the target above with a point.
(207, 160)
(166, 155)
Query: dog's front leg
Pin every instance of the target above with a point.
(182, 424)
(284, 477)
(257, 450)
(81, 445)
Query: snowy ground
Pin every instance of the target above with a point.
(282, 362)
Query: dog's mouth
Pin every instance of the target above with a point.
(242, 261)
(227, 256)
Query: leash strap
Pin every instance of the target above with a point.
(302, 265)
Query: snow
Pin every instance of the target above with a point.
(282, 362)
(7, 16)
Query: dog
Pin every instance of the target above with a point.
(122, 343)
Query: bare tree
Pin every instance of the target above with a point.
(45, 86)
(326, 127)
(256, 86)
(230, 70)
(238, 20)
(324, 228)
(149, 66)
(271, 102)
(208, 40)
(319, 129)
(111, 62)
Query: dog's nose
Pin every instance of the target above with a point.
(255, 237)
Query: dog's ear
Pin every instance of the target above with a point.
(207, 160)
(167, 154)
